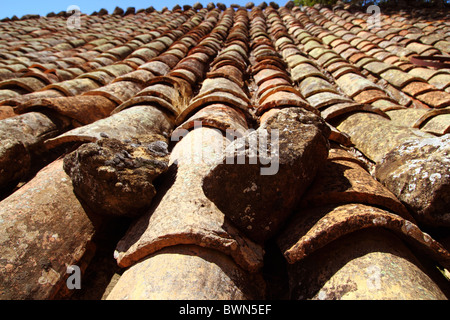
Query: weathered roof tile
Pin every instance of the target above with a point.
(129, 79)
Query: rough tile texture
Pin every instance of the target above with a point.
(287, 167)
(113, 140)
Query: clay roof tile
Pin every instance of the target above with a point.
(363, 149)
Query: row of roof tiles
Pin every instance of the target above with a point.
(313, 72)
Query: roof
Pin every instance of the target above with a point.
(258, 152)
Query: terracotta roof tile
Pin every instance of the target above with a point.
(363, 148)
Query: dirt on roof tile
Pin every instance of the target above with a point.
(122, 100)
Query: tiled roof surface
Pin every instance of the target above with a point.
(99, 167)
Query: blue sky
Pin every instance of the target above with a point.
(8, 8)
